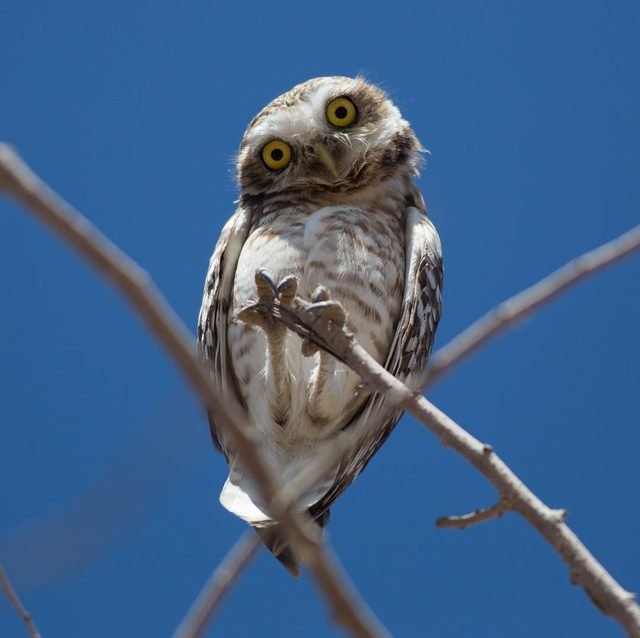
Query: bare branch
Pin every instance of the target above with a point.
(216, 588)
(474, 518)
(312, 323)
(19, 181)
(25, 616)
(524, 303)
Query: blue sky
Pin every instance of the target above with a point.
(109, 520)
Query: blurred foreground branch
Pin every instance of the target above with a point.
(323, 325)
(19, 181)
(218, 585)
(25, 616)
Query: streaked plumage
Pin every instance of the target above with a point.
(339, 210)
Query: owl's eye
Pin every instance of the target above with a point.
(341, 112)
(276, 154)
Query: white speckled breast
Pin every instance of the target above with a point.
(359, 256)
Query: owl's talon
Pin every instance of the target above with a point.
(320, 294)
(287, 290)
(265, 285)
(328, 311)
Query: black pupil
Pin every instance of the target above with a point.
(277, 154)
(341, 112)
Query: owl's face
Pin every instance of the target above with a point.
(336, 134)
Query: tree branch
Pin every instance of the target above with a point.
(19, 181)
(528, 301)
(474, 518)
(216, 588)
(317, 324)
(25, 616)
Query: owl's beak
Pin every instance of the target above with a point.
(322, 152)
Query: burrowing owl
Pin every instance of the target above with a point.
(326, 194)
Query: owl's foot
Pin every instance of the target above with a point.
(278, 377)
(268, 291)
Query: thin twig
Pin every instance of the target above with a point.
(524, 303)
(216, 588)
(474, 518)
(20, 182)
(305, 320)
(25, 616)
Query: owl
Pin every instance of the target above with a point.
(327, 196)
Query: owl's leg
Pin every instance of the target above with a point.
(278, 374)
(321, 407)
(278, 377)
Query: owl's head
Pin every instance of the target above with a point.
(335, 134)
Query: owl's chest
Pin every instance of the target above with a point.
(358, 255)
(360, 258)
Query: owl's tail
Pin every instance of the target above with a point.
(241, 497)
(276, 543)
(279, 547)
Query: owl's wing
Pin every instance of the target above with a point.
(214, 313)
(409, 352)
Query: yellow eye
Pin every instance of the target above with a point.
(276, 154)
(341, 112)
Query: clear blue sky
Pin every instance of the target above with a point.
(109, 520)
